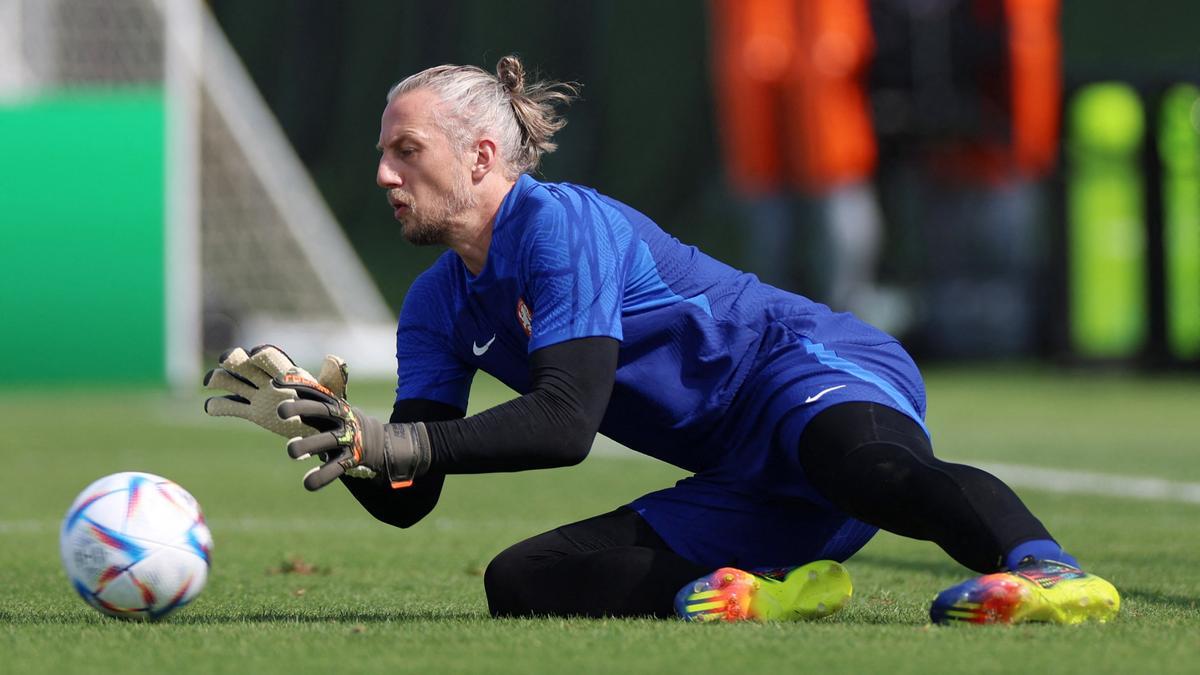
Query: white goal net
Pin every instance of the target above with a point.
(253, 253)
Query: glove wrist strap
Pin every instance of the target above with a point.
(403, 467)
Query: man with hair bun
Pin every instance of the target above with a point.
(803, 428)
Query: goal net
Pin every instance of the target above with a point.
(250, 251)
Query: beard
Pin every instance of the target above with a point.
(429, 222)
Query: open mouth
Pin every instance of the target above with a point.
(398, 204)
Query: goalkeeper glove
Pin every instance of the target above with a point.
(353, 440)
(264, 378)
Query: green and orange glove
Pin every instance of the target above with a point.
(352, 440)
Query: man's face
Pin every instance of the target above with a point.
(427, 178)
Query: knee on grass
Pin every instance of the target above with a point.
(503, 580)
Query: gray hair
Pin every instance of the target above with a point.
(522, 117)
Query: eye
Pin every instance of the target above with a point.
(407, 152)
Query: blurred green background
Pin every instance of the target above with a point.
(945, 235)
(645, 130)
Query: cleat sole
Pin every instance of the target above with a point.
(811, 591)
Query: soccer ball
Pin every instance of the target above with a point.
(135, 546)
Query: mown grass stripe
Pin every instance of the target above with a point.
(1086, 482)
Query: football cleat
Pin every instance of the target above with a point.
(1040, 591)
(729, 594)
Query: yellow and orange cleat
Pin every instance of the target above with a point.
(1041, 591)
(729, 594)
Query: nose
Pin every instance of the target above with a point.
(385, 176)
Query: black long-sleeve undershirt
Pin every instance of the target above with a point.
(553, 425)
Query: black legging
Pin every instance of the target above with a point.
(609, 565)
(869, 460)
(877, 465)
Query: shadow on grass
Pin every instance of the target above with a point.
(185, 618)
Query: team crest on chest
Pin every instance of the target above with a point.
(525, 315)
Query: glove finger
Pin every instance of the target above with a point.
(232, 358)
(228, 406)
(240, 364)
(306, 409)
(272, 348)
(302, 448)
(323, 475)
(272, 361)
(334, 375)
(236, 406)
(219, 378)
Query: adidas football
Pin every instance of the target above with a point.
(135, 546)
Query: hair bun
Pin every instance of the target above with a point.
(511, 74)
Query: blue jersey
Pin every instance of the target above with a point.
(566, 262)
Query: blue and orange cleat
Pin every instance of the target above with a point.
(1040, 591)
(807, 592)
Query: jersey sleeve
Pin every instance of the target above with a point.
(426, 366)
(573, 276)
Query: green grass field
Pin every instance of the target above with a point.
(388, 600)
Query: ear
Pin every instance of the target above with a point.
(486, 158)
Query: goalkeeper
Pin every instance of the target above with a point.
(803, 428)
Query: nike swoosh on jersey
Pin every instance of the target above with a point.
(480, 351)
(821, 393)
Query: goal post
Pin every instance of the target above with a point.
(235, 245)
(182, 72)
